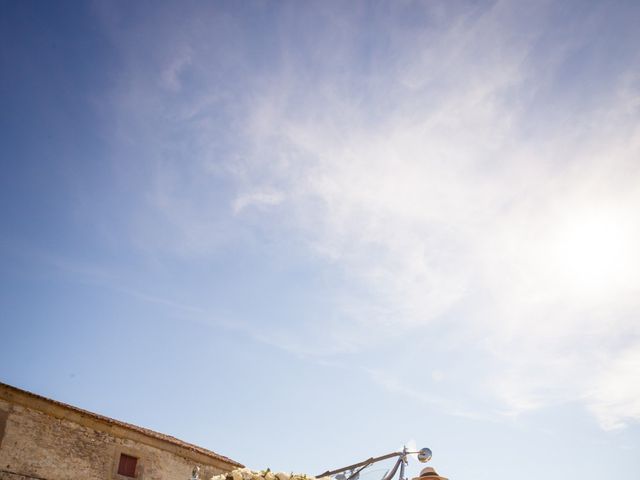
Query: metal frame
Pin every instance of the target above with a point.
(356, 468)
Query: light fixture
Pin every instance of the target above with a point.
(424, 455)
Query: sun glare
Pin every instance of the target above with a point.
(594, 252)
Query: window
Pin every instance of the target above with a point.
(127, 465)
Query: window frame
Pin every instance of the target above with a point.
(129, 452)
(125, 462)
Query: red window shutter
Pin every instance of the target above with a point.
(127, 465)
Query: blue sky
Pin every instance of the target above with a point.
(304, 233)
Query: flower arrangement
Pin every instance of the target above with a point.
(248, 474)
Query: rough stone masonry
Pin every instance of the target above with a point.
(49, 440)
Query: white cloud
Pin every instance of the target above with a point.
(257, 199)
(170, 76)
(443, 178)
(614, 395)
(443, 203)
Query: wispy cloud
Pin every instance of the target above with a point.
(445, 172)
(256, 199)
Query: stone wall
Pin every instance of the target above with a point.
(37, 445)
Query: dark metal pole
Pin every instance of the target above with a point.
(403, 460)
(364, 462)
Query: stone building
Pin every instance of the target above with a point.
(49, 440)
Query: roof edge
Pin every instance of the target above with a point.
(110, 425)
